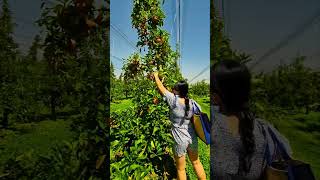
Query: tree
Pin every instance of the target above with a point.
(29, 80)
(302, 80)
(289, 87)
(8, 59)
(84, 74)
(200, 89)
(34, 49)
(145, 150)
(86, 70)
(56, 55)
(114, 83)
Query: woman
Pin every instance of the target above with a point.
(184, 136)
(238, 144)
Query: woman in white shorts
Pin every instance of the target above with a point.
(185, 138)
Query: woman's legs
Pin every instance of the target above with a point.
(197, 166)
(181, 167)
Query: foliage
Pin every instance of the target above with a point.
(74, 80)
(145, 151)
(66, 161)
(204, 150)
(120, 88)
(291, 87)
(21, 76)
(8, 60)
(200, 89)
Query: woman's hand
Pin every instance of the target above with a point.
(156, 74)
(160, 86)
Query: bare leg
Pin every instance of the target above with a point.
(181, 167)
(197, 166)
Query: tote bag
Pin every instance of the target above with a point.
(201, 123)
(284, 167)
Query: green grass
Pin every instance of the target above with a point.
(303, 133)
(38, 137)
(120, 105)
(204, 150)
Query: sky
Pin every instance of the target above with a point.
(25, 14)
(253, 27)
(195, 45)
(256, 26)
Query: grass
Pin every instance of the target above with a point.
(303, 133)
(204, 150)
(120, 105)
(38, 137)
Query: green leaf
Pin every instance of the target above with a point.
(155, 129)
(134, 166)
(153, 155)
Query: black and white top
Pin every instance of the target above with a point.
(225, 149)
(182, 131)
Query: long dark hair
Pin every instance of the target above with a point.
(232, 83)
(182, 87)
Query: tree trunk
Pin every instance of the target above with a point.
(5, 120)
(53, 107)
(92, 116)
(307, 109)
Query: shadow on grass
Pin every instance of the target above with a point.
(300, 119)
(309, 128)
(167, 166)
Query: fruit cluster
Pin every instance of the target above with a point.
(78, 21)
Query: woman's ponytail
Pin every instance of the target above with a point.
(186, 101)
(246, 126)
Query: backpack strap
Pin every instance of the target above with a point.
(284, 154)
(265, 129)
(195, 107)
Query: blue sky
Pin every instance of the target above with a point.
(253, 26)
(195, 47)
(195, 31)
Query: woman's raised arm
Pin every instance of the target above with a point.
(160, 86)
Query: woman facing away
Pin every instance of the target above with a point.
(238, 144)
(185, 139)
